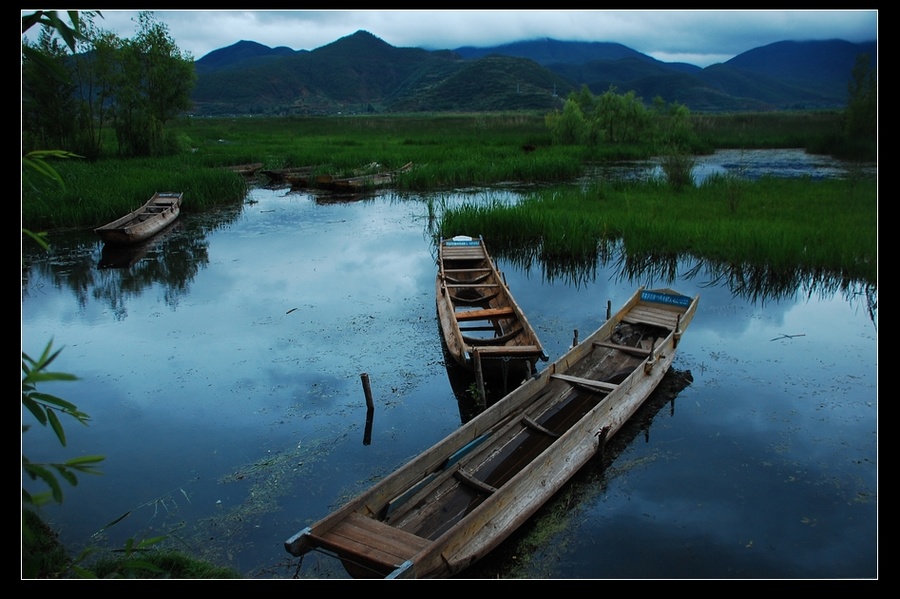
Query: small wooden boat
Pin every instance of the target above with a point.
(483, 327)
(298, 174)
(458, 500)
(247, 170)
(361, 182)
(145, 222)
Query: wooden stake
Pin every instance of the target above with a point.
(479, 378)
(368, 391)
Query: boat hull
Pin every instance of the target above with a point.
(454, 503)
(483, 328)
(139, 225)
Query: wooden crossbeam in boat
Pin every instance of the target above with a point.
(471, 282)
(598, 385)
(461, 271)
(473, 301)
(499, 340)
(469, 285)
(636, 351)
(537, 426)
(484, 314)
(473, 482)
(488, 351)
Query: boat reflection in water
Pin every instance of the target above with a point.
(122, 256)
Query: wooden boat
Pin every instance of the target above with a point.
(361, 182)
(483, 327)
(298, 174)
(145, 222)
(455, 502)
(247, 170)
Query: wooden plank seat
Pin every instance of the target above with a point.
(370, 541)
(653, 316)
(485, 314)
(451, 253)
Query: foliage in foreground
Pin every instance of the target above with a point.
(43, 556)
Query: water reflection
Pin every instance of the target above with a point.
(757, 284)
(746, 164)
(91, 269)
(235, 383)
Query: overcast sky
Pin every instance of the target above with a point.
(700, 37)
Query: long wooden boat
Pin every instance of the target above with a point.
(455, 502)
(483, 327)
(145, 222)
(361, 182)
(246, 170)
(297, 176)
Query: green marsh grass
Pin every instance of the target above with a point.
(816, 225)
(96, 193)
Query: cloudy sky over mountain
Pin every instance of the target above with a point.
(700, 37)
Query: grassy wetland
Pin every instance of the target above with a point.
(819, 225)
(772, 226)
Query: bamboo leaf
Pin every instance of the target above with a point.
(37, 471)
(56, 401)
(84, 460)
(57, 427)
(39, 238)
(66, 474)
(36, 410)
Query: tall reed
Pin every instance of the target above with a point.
(780, 223)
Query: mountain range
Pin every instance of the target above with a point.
(361, 73)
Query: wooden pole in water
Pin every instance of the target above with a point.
(367, 390)
(608, 309)
(575, 338)
(479, 379)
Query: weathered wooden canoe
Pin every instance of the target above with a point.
(455, 502)
(483, 327)
(361, 182)
(247, 170)
(145, 222)
(297, 176)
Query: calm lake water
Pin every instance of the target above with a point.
(222, 373)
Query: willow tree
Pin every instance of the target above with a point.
(153, 87)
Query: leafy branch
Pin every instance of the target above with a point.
(45, 408)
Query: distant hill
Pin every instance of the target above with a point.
(236, 54)
(362, 73)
